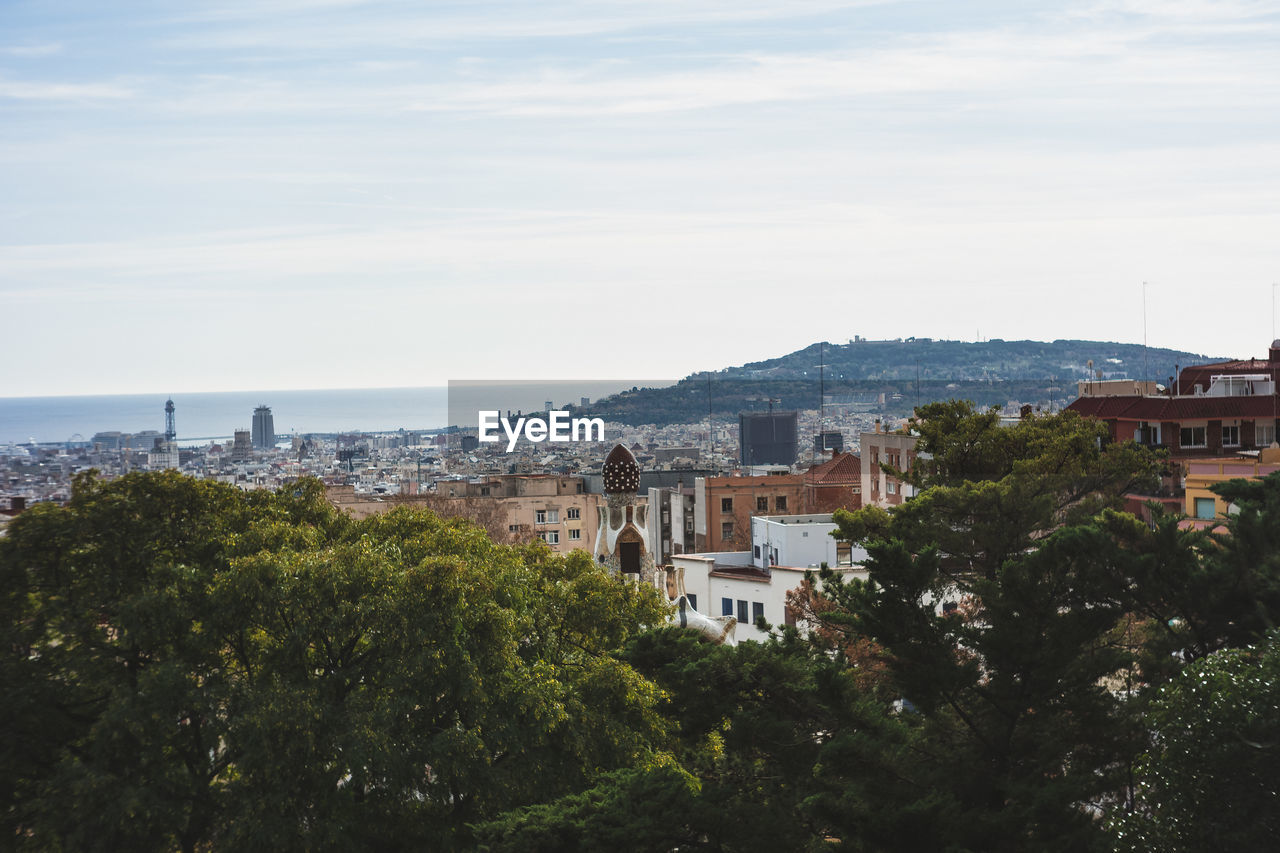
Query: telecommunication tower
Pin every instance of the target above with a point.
(170, 431)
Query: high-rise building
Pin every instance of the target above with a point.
(241, 449)
(767, 439)
(264, 428)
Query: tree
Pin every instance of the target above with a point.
(1211, 778)
(747, 727)
(1013, 728)
(193, 665)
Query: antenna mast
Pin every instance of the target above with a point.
(1145, 374)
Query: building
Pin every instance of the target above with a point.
(241, 446)
(264, 429)
(1208, 410)
(896, 449)
(723, 507)
(754, 583)
(833, 484)
(671, 512)
(163, 454)
(828, 441)
(622, 536)
(676, 454)
(767, 438)
(514, 507)
(1203, 505)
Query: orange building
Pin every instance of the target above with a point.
(723, 507)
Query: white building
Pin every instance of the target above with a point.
(754, 583)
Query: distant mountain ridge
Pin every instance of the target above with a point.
(907, 372)
(990, 360)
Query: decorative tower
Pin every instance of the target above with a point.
(622, 538)
(170, 431)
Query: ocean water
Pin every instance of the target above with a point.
(204, 417)
(200, 418)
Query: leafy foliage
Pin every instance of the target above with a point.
(191, 665)
(1210, 781)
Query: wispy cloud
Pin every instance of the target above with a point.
(24, 51)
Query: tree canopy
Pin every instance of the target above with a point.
(192, 665)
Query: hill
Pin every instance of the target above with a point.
(894, 376)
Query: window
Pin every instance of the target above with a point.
(1231, 436)
(692, 599)
(1264, 435)
(551, 537)
(726, 530)
(726, 607)
(484, 491)
(1205, 508)
(757, 611)
(539, 516)
(755, 551)
(726, 504)
(1191, 437)
(574, 534)
(512, 528)
(780, 503)
(762, 504)
(553, 516)
(844, 554)
(742, 612)
(573, 513)
(891, 487)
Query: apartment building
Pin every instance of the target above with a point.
(1208, 410)
(754, 583)
(879, 448)
(723, 507)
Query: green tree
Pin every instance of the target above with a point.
(1211, 778)
(748, 726)
(192, 665)
(1013, 727)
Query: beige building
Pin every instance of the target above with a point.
(1204, 506)
(512, 507)
(898, 449)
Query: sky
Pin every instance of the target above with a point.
(284, 194)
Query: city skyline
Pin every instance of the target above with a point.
(230, 198)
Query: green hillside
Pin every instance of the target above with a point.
(906, 373)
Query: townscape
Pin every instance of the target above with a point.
(640, 426)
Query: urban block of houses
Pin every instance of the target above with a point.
(752, 583)
(1207, 411)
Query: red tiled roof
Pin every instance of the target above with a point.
(841, 469)
(1202, 374)
(1156, 409)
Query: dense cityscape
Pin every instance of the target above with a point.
(664, 426)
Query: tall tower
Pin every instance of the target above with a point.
(264, 428)
(170, 430)
(622, 538)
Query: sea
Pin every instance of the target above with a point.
(214, 416)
